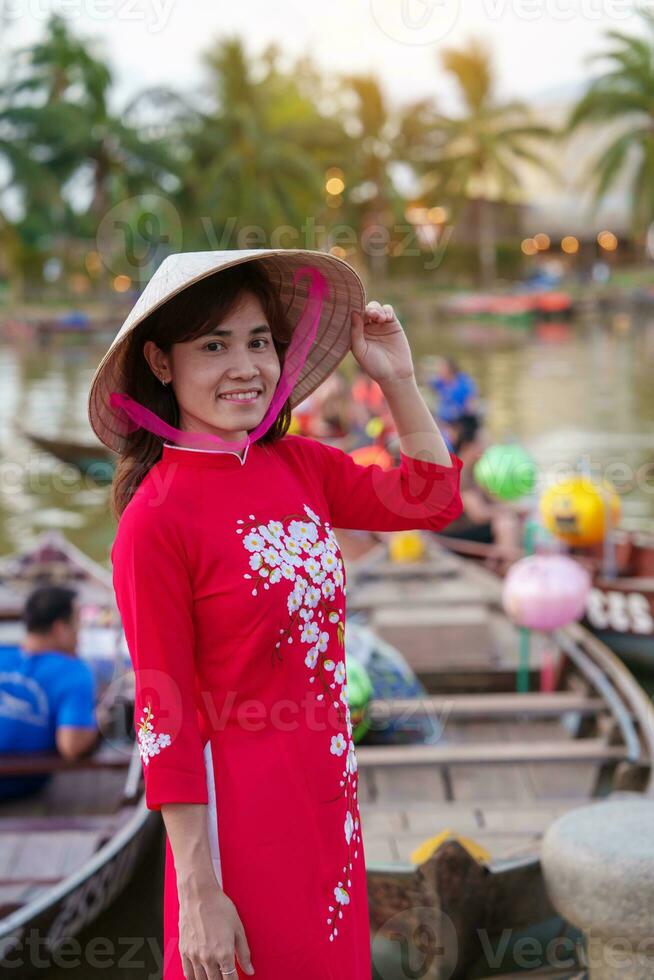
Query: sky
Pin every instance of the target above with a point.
(540, 46)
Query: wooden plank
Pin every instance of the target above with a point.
(462, 706)
(570, 751)
(380, 849)
(484, 783)
(500, 847)
(48, 856)
(432, 616)
(393, 785)
(12, 765)
(518, 818)
(443, 816)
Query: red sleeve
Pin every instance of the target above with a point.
(415, 494)
(154, 596)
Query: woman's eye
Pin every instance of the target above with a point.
(213, 344)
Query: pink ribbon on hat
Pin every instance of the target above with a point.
(138, 416)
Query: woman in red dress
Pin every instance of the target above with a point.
(232, 589)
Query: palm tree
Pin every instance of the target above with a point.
(64, 144)
(622, 98)
(474, 155)
(256, 152)
(372, 198)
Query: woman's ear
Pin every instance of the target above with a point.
(156, 359)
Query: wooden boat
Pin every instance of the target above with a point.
(620, 609)
(498, 769)
(91, 459)
(515, 306)
(69, 851)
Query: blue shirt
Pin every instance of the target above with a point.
(40, 692)
(453, 395)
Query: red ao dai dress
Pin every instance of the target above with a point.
(231, 588)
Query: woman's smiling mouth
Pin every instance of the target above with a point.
(246, 397)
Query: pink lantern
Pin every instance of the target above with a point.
(545, 592)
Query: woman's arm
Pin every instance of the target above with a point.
(418, 433)
(155, 598)
(423, 492)
(211, 934)
(382, 350)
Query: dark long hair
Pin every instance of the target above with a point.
(187, 316)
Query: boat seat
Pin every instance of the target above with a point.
(474, 707)
(28, 764)
(570, 751)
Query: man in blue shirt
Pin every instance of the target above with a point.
(47, 695)
(456, 390)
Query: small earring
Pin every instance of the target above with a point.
(163, 381)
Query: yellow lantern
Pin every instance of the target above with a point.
(579, 511)
(406, 546)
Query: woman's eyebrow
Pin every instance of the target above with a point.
(263, 328)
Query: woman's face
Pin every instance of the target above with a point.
(206, 374)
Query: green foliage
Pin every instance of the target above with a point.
(621, 100)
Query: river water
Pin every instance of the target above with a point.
(570, 393)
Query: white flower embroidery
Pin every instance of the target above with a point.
(150, 743)
(314, 517)
(306, 553)
(329, 561)
(341, 896)
(304, 532)
(310, 632)
(312, 597)
(253, 542)
(312, 566)
(270, 555)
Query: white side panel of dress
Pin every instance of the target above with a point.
(212, 814)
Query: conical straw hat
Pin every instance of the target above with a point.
(346, 293)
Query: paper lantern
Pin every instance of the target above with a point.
(507, 472)
(579, 511)
(546, 592)
(406, 546)
(365, 455)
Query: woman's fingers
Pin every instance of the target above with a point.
(243, 952)
(189, 971)
(375, 311)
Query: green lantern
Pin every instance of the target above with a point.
(359, 693)
(506, 471)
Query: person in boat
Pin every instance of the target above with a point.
(484, 518)
(322, 413)
(231, 588)
(456, 390)
(47, 694)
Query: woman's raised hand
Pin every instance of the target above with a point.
(380, 344)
